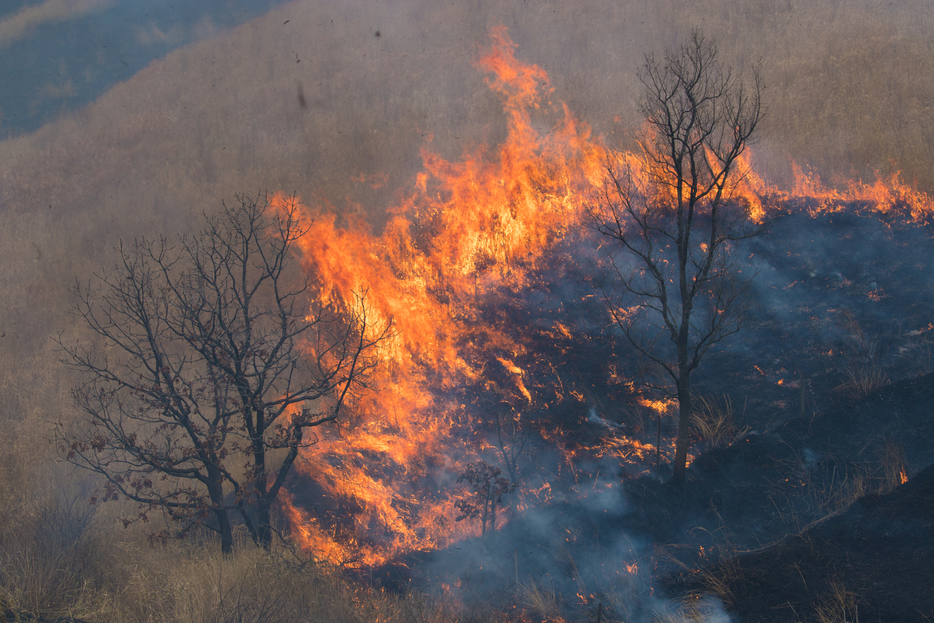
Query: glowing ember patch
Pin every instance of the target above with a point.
(660, 406)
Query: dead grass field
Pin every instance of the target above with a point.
(850, 91)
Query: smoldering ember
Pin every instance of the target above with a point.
(564, 378)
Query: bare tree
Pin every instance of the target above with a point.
(672, 211)
(212, 358)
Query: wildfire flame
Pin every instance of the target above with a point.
(469, 229)
(470, 232)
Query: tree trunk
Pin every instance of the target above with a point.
(223, 526)
(263, 525)
(216, 494)
(684, 428)
(263, 501)
(492, 510)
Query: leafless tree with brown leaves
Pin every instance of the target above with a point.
(212, 357)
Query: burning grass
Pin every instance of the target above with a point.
(489, 274)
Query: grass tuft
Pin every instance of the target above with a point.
(839, 606)
(863, 357)
(714, 422)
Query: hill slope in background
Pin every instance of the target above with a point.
(335, 100)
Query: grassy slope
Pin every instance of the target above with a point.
(849, 91)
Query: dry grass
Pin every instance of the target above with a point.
(61, 557)
(721, 579)
(194, 584)
(51, 553)
(541, 601)
(691, 609)
(827, 490)
(839, 606)
(849, 91)
(863, 367)
(849, 483)
(714, 422)
(893, 468)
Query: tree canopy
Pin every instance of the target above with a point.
(211, 357)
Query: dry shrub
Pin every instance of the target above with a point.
(851, 482)
(192, 583)
(62, 557)
(714, 423)
(625, 594)
(692, 609)
(634, 419)
(248, 588)
(845, 487)
(893, 469)
(720, 579)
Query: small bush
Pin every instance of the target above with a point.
(50, 552)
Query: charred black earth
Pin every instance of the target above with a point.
(820, 508)
(773, 525)
(877, 549)
(872, 561)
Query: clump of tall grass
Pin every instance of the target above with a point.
(691, 609)
(848, 483)
(51, 553)
(863, 353)
(715, 423)
(540, 600)
(61, 557)
(838, 606)
(190, 582)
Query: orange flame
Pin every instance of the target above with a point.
(888, 196)
(468, 230)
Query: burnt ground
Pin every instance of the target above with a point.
(792, 487)
(872, 562)
(808, 503)
(776, 482)
(772, 524)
